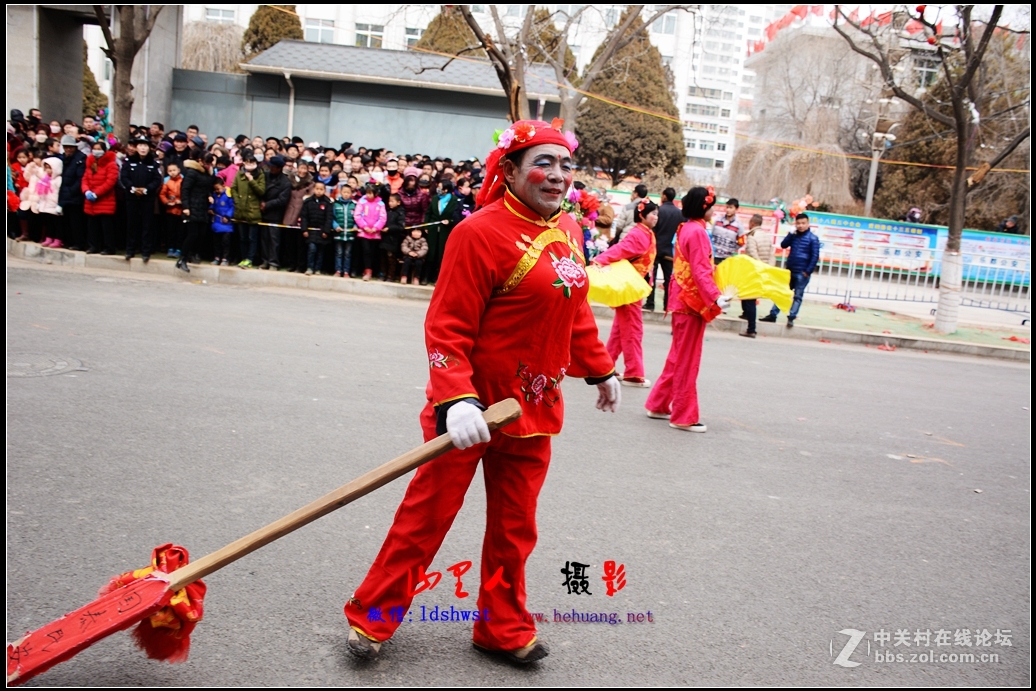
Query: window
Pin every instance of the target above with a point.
(724, 59)
(707, 145)
(747, 92)
(515, 10)
(721, 33)
(748, 79)
(724, 113)
(666, 24)
(696, 109)
(757, 20)
(728, 96)
(369, 35)
(719, 163)
(709, 69)
(413, 36)
(570, 11)
(704, 93)
(699, 162)
(611, 17)
(689, 143)
(478, 9)
(667, 60)
(221, 16)
(755, 32)
(320, 30)
(721, 146)
(723, 129)
(696, 126)
(927, 70)
(107, 69)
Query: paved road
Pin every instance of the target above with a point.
(835, 490)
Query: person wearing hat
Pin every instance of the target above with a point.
(141, 178)
(180, 151)
(272, 207)
(509, 318)
(70, 196)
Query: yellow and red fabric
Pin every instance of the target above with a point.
(692, 289)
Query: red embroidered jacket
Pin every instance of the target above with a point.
(509, 316)
(692, 289)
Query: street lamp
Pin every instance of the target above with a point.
(880, 141)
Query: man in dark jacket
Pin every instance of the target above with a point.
(141, 178)
(70, 196)
(669, 219)
(179, 153)
(803, 256)
(272, 207)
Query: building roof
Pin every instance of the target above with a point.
(334, 62)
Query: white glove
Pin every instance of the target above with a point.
(723, 302)
(609, 393)
(465, 425)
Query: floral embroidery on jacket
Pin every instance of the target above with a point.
(570, 273)
(538, 389)
(438, 360)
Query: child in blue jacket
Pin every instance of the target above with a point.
(222, 211)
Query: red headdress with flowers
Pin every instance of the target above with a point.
(521, 135)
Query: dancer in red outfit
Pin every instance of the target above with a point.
(509, 318)
(694, 301)
(627, 335)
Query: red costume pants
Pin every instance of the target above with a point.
(627, 339)
(676, 390)
(514, 471)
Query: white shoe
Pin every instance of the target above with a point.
(657, 416)
(696, 427)
(637, 382)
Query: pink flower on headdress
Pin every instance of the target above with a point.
(573, 143)
(506, 138)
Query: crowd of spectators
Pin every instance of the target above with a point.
(273, 203)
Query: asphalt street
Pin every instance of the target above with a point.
(839, 488)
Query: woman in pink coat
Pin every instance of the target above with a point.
(694, 301)
(370, 218)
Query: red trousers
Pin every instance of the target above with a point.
(627, 339)
(676, 390)
(514, 471)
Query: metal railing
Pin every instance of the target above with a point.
(847, 271)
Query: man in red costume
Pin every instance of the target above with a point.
(509, 318)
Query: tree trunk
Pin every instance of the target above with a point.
(951, 270)
(122, 89)
(570, 111)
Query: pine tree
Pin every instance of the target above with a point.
(449, 33)
(623, 142)
(270, 24)
(93, 99)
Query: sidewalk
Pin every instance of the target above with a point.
(817, 321)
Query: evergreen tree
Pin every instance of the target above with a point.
(93, 99)
(270, 24)
(449, 33)
(623, 142)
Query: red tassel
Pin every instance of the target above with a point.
(163, 644)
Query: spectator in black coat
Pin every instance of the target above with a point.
(70, 196)
(316, 219)
(273, 206)
(141, 178)
(195, 191)
(669, 219)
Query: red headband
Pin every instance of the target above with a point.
(521, 135)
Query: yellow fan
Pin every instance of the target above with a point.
(616, 284)
(745, 278)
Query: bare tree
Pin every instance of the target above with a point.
(135, 25)
(510, 55)
(961, 55)
(212, 46)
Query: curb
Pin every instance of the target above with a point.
(232, 275)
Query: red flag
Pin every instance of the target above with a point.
(818, 10)
(759, 45)
(854, 16)
(938, 28)
(770, 31)
(799, 11)
(785, 21)
(868, 21)
(885, 18)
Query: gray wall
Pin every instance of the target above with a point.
(404, 119)
(21, 58)
(153, 67)
(61, 65)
